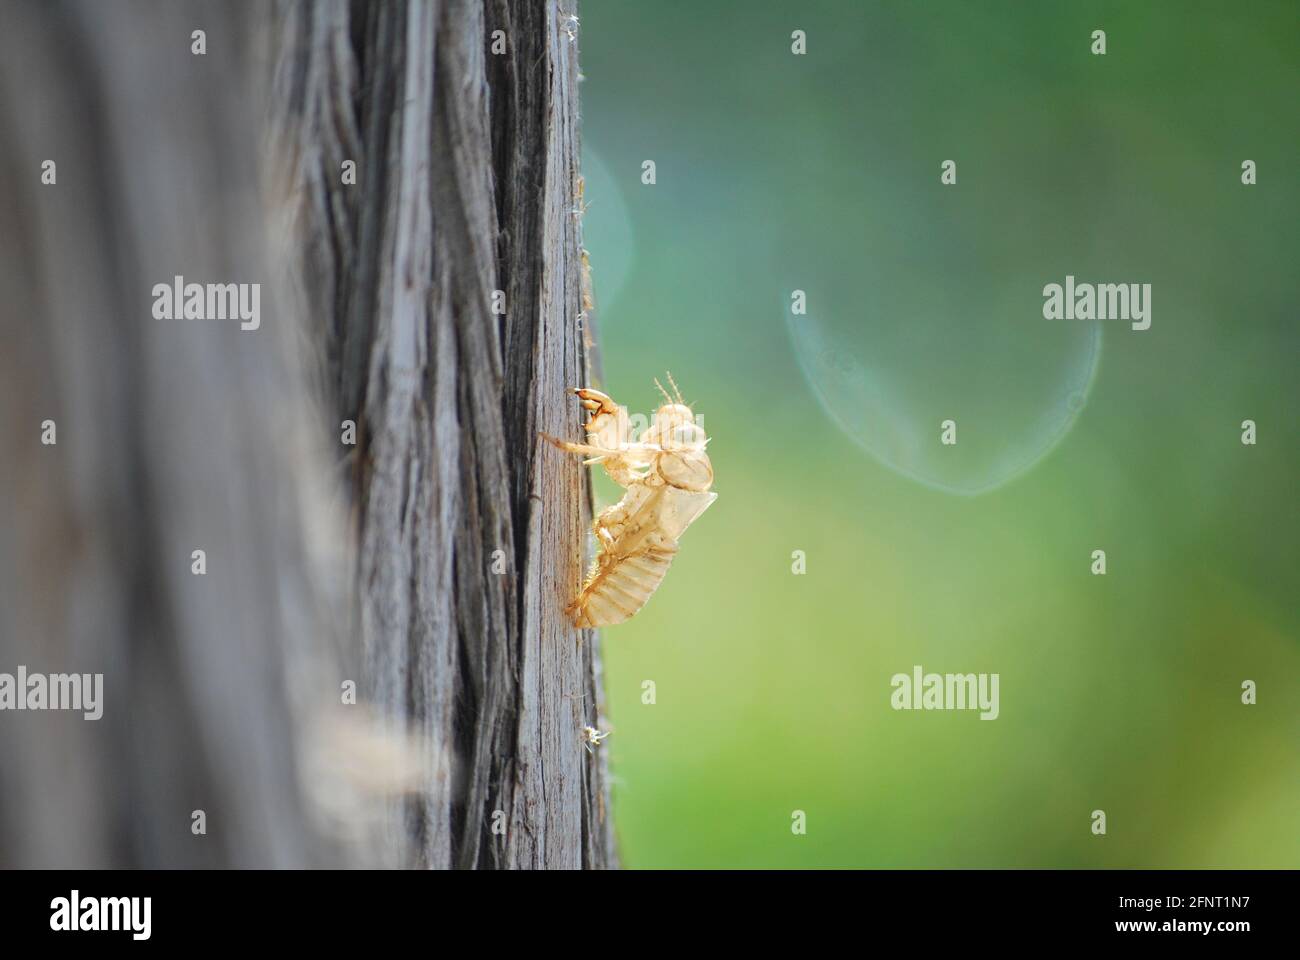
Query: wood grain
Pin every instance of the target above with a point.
(325, 562)
(469, 171)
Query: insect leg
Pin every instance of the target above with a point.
(598, 453)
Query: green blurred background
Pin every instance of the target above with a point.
(820, 172)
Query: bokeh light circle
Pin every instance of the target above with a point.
(1013, 387)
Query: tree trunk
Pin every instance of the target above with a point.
(170, 437)
(222, 689)
(466, 183)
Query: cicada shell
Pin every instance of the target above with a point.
(667, 476)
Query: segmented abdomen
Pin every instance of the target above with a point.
(622, 586)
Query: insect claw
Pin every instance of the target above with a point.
(594, 400)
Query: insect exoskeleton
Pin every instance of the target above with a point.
(591, 737)
(667, 475)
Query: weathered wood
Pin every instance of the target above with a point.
(467, 184)
(172, 436)
(222, 690)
